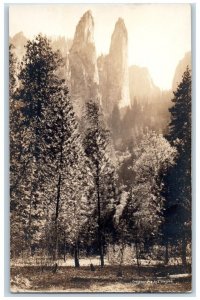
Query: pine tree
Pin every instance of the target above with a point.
(37, 84)
(98, 149)
(14, 140)
(15, 148)
(14, 124)
(71, 175)
(54, 176)
(178, 179)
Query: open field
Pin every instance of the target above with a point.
(109, 279)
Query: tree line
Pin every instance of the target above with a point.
(70, 190)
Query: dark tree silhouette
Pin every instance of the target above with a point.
(178, 179)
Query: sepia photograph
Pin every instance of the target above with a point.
(100, 101)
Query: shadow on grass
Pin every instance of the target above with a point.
(67, 278)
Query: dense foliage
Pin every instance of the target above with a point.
(178, 178)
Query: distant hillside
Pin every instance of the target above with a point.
(19, 41)
(141, 85)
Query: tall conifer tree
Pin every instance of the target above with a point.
(98, 149)
(178, 179)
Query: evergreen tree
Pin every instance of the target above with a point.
(37, 84)
(15, 149)
(70, 173)
(178, 179)
(54, 177)
(99, 150)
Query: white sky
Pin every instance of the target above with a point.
(158, 34)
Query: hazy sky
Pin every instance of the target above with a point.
(158, 34)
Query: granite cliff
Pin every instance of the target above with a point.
(84, 77)
(113, 71)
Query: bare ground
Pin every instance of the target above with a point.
(109, 279)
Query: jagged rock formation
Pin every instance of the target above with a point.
(118, 64)
(142, 86)
(84, 77)
(180, 69)
(113, 71)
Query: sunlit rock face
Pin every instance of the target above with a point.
(180, 69)
(102, 63)
(118, 65)
(141, 85)
(84, 78)
(113, 71)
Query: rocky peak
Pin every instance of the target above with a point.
(115, 73)
(83, 64)
(84, 30)
(119, 33)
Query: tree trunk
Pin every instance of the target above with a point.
(101, 255)
(166, 253)
(56, 217)
(29, 225)
(100, 237)
(137, 257)
(58, 196)
(56, 242)
(64, 247)
(183, 251)
(76, 256)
